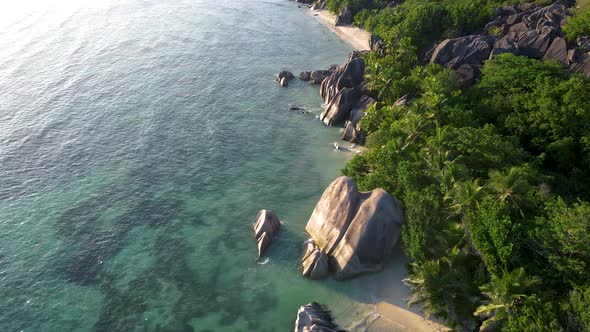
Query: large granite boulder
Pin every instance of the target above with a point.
(529, 16)
(345, 17)
(473, 50)
(370, 237)
(348, 75)
(338, 110)
(557, 51)
(357, 230)
(526, 29)
(352, 130)
(342, 89)
(313, 317)
(505, 45)
(266, 226)
(333, 213)
(534, 43)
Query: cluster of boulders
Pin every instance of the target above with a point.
(352, 232)
(266, 226)
(313, 317)
(345, 98)
(527, 29)
(316, 76)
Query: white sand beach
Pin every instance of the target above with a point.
(354, 36)
(384, 306)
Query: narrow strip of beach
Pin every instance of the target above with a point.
(388, 286)
(354, 36)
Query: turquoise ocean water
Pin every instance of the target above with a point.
(138, 140)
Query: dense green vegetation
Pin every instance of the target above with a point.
(579, 24)
(356, 6)
(495, 178)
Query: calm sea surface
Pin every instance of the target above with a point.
(138, 140)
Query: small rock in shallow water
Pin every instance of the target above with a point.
(285, 74)
(284, 82)
(314, 317)
(267, 224)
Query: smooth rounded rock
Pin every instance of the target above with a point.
(314, 317)
(266, 226)
(357, 230)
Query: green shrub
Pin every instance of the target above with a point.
(579, 24)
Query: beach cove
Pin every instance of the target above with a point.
(134, 163)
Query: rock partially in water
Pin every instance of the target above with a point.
(318, 76)
(284, 82)
(296, 108)
(357, 230)
(266, 226)
(348, 75)
(352, 129)
(342, 90)
(314, 262)
(285, 74)
(313, 317)
(338, 110)
(305, 75)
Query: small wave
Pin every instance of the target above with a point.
(265, 261)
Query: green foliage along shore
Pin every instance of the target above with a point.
(495, 178)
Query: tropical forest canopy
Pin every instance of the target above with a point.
(495, 177)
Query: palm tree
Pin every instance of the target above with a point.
(427, 286)
(510, 186)
(464, 195)
(504, 293)
(435, 153)
(377, 80)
